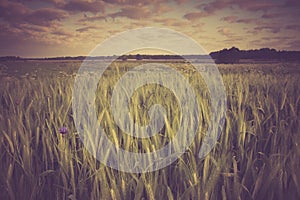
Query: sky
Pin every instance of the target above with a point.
(49, 28)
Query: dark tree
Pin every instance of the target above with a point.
(227, 56)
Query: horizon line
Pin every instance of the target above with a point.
(141, 54)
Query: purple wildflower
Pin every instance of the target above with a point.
(63, 130)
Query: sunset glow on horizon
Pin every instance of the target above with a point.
(36, 28)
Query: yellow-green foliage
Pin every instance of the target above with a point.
(256, 157)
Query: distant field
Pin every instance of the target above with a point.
(257, 156)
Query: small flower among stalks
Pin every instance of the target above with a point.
(63, 130)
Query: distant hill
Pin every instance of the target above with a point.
(234, 55)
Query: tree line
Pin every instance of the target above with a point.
(234, 55)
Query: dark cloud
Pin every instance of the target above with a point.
(44, 16)
(133, 12)
(136, 3)
(270, 28)
(24, 28)
(86, 28)
(295, 27)
(211, 7)
(272, 15)
(73, 6)
(137, 9)
(254, 5)
(292, 3)
(235, 19)
(56, 3)
(208, 9)
(247, 20)
(181, 1)
(12, 10)
(84, 6)
(16, 14)
(195, 15)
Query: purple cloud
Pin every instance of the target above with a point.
(235, 19)
(292, 3)
(16, 14)
(12, 10)
(84, 6)
(273, 29)
(247, 20)
(135, 3)
(295, 27)
(195, 15)
(44, 16)
(254, 5)
(271, 15)
(133, 12)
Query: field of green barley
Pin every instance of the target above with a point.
(256, 157)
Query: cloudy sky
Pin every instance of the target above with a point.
(37, 28)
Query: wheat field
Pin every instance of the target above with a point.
(256, 157)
